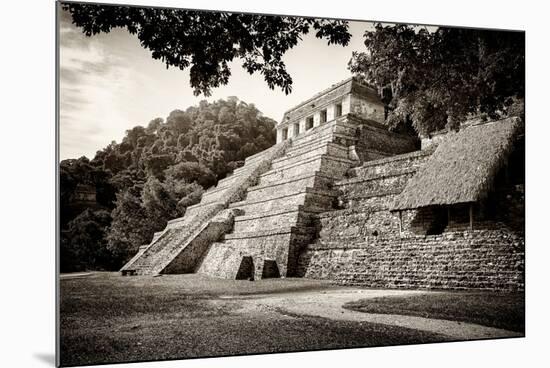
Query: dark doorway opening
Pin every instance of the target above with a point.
(246, 269)
(309, 123)
(270, 270)
(439, 222)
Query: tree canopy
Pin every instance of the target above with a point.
(437, 79)
(152, 176)
(206, 41)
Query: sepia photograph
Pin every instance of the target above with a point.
(235, 183)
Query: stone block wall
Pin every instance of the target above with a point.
(482, 259)
(363, 243)
(367, 107)
(186, 260)
(224, 258)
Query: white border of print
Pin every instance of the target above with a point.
(27, 155)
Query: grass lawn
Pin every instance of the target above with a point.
(107, 318)
(501, 310)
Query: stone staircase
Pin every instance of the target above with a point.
(202, 223)
(278, 212)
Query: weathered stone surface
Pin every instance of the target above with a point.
(365, 244)
(190, 256)
(280, 211)
(319, 206)
(349, 97)
(482, 259)
(200, 220)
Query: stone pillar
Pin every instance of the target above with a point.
(302, 125)
(279, 135)
(346, 104)
(330, 112)
(317, 119)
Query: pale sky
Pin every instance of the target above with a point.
(109, 83)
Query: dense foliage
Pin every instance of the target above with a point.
(437, 79)
(205, 42)
(152, 176)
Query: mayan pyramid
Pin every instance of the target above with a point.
(322, 203)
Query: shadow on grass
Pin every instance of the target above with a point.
(492, 309)
(106, 318)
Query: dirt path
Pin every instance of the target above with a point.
(328, 304)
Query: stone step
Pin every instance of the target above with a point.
(390, 248)
(311, 211)
(127, 268)
(310, 198)
(389, 164)
(258, 156)
(301, 149)
(288, 186)
(406, 171)
(297, 148)
(200, 207)
(191, 240)
(268, 233)
(330, 149)
(215, 195)
(332, 129)
(219, 194)
(384, 282)
(453, 276)
(327, 179)
(310, 165)
(342, 139)
(250, 164)
(313, 141)
(335, 167)
(272, 220)
(229, 180)
(147, 257)
(360, 189)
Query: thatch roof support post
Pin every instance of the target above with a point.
(471, 216)
(400, 223)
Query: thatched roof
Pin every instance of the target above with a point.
(463, 167)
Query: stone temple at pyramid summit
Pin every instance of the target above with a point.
(341, 197)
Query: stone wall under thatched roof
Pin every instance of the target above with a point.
(463, 167)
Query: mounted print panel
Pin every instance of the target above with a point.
(235, 183)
